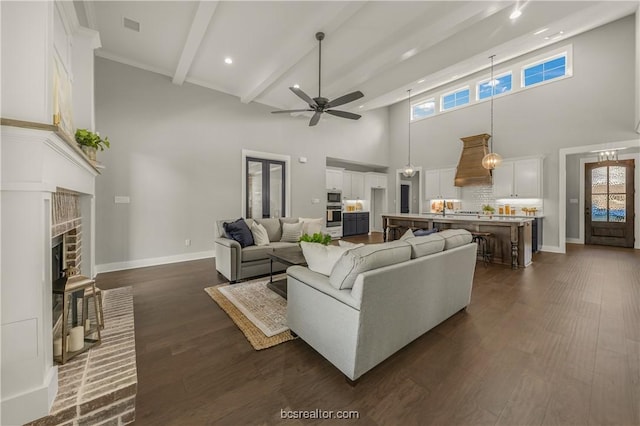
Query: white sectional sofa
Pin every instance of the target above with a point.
(381, 297)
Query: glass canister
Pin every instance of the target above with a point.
(501, 209)
(507, 209)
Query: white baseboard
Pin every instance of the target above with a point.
(574, 241)
(141, 263)
(552, 249)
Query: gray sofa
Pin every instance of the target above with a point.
(381, 297)
(237, 263)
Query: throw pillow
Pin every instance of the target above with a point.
(291, 232)
(349, 245)
(423, 232)
(407, 235)
(239, 231)
(311, 225)
(260, 235)
(321, 258)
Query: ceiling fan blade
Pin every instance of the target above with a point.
(345, 99)
(303, 96)
(315, 118)
(290, 111)
(343, 114)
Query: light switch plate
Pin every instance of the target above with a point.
(573, 200)
(121, 199)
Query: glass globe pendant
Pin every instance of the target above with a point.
(409, 169)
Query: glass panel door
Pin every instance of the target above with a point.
(265, 188)
(609, 196)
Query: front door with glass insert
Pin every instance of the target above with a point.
(609, 213)
(265, 188)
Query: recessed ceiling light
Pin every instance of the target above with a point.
(540, 31)
(361, 106)
(421, 81)
(228, 61)
(515, 14)
(297, 86)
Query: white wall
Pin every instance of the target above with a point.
(596, 105)
(176, 151)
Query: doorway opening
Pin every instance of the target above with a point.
(405, 197)
(609, 203)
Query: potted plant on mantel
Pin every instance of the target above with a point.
(90, 142)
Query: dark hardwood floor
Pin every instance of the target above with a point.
(555, 343)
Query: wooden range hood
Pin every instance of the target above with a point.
(470, 171)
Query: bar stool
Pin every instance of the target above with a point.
(393, 232)
(481, 239)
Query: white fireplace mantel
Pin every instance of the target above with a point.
(33, 164)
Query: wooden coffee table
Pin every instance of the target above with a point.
(288, 256)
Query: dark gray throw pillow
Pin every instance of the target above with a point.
(423, 232)
(239, 231)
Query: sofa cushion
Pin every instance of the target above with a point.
(252, 253)
(239, 231)
(426, 245)
(362, 259)
(273, 227)
(348, 245)
(260, 236)
(321, 258)
(291, 232)
(455, 238)
(311, 225)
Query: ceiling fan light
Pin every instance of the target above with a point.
(491, 161)
(409, 171)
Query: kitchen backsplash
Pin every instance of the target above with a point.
(474, 197)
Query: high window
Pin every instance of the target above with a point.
(423, 109)
(454, 99)
(543, 71)
(502, 84)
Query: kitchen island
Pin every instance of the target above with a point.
(509, 244)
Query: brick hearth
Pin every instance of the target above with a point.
(99, 386)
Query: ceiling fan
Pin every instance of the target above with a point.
(320, 104)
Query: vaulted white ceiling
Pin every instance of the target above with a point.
(381, 48)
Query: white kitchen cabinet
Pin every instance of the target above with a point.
(375, 181)
(334, 179)
(518, 179)
(352, 185)
(439, 184)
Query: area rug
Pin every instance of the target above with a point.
(258, 312)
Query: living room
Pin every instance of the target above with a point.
(177, 164)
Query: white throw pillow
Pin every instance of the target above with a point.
(407, 235)
(321, 258)
(311, 225)
(348, 245)
(260, 235)
(291, 232)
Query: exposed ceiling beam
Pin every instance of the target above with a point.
(387, 55)
(296, 50)
(90, 12)
(197, 31)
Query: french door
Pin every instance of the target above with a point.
(265, 188)
(609, 199)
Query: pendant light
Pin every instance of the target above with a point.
(409, 169)
(492, 159)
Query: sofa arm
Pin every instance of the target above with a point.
(228, 257)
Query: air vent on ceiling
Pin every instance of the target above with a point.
(131, 24)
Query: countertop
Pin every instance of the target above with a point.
(457, 218)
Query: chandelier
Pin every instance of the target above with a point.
(492, 159)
